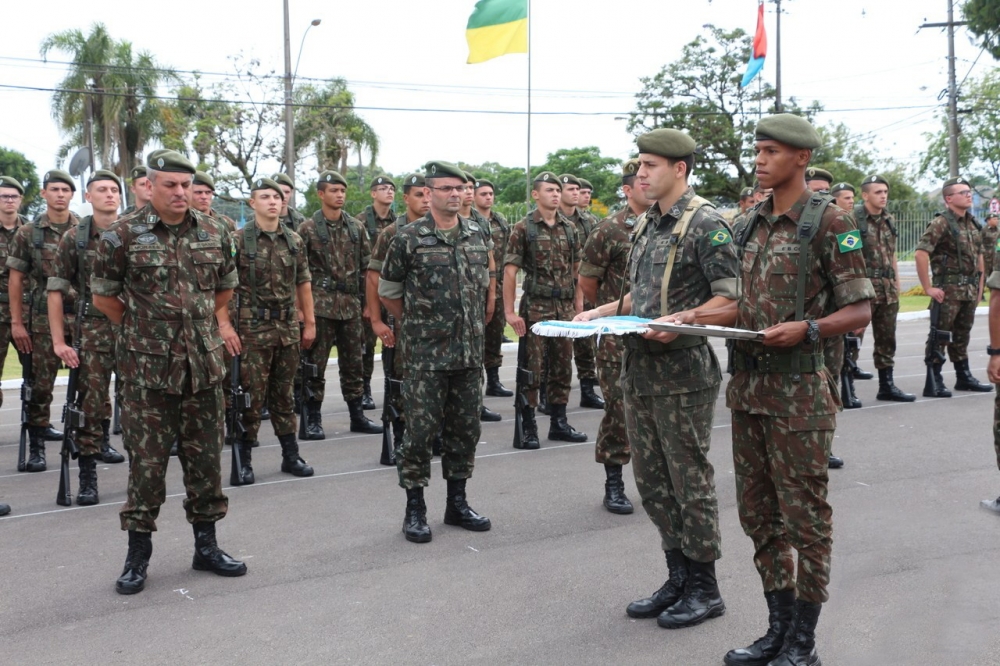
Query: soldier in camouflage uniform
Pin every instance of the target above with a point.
(290, 216)
(583, 203)
(273, 278)
(375, 217)
(746, 202)
(139, 186)
(603, 270)
(989, 235)
(31, 261)
(993, 369)
(338, 251)
(161, 274)
(11, 195)
(952, 248)
(202, 194)
(485, 193)
(96, 359)
(547, 247)
(436, 281)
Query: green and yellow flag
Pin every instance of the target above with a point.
(496, 28)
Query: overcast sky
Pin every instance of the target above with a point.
(864, 60)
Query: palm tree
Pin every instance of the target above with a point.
(326, 122)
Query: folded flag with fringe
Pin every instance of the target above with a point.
(582, 329)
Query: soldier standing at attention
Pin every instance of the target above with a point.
(202, 194)
(952, 248)
(11, 196)
(547, 247)
(273, 278)
(338, 251)
(376, 217)
(989, 235)
(73, 267)
(140, 189)
(31, 262)
(436, 281)
(819, 180)
(843, 195)
(290, 217)
(746, 202)
(485, 195)
(583, 205)
(161, 274)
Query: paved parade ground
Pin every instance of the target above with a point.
(332, 581)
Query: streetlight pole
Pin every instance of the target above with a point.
(953, 130)
(289, 79)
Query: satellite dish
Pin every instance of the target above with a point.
(80, 162)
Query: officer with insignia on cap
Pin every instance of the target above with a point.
(165, 275)
(96, 360)
(989, 236)
(139, 185)
(11, 197)
(603, 276)
(484, 198)
(376, 217)
(843, 196)
(952, 249)
(819, 180)
(436, 281)
(290, 216)
(202, 194)
(31, 260)
(338, 250)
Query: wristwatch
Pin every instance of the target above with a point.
(991, 351)
(812, 331)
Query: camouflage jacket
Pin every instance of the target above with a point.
(338, 265)
(769, 270)
(168, 279)
(878, 235)
(586, 222)
(605, 258)
(6, 241)
(373, 223)
(499, 233)
(38, 263)
(989, 236)
(443, 279)
(381, 245)
(224, 219)
(547, 264)
(293, 220)
(954, 246)
(272, 275)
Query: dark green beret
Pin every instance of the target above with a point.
(585, 185)
(104, 174)
(791, 130)
(482, 182)
(569, 179)
(469, 178)
(58, 176)
(7, 181)
(381, 180)
(990, 216)
(153, 155)
(138, 172)
(170, 161)
(332, 177)
(875, 179)
(630, 168)
(746, 193)
(444, 170)
(814, 173)
(283, 179)
(955, 181)
(414, 180)
(202, 178)
(670, 143)
(548, 177)
(843, 187)
(267, 184)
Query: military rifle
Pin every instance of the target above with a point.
(27, 387)
(851, 343)
(935, 356)
(239, 402)
(116, 414)
(72, 416)
(393, 387)
(303, 392)
(524, 379)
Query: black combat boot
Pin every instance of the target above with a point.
(780, 605)
(140, 549)
(367, 402)
(847, 395)
(291, 462)
(36, 449)
(487, 414)
(529, 429)
(669, 592)
(887, 389)
(209, 557)
(246, 465)
(314, 424)
(560, 429)
(360, 422)
(108, 453)
(800, 642)
(858, 373)
(87, 495)
(964, 381)
(458, 512)
(615, 500)
(51, 434)
(833, 462)
(701, 599)
(543, 399)
(934, 384)
(587, 396)
(4, 509)
(415, 526)
(493, 386)
(265, 413)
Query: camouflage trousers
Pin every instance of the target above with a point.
(558, 352)
(45, 366)
(584, 352)
(833, 356)
(5, 340)
(94, 381)
(957, 316)
(151, 420)
(671, 436)
(781, 487)
(368, 353)
(884, 331)
(347, 335)
(492, 341)
(268, 374)
(612, 438)
(446, 402)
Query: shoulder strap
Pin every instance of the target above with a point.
(680, 231)
(321, 229)
(250, 248)
(809, 224)
(82, 238)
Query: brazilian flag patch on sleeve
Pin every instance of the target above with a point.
(998, 245)
(721, 237)
(849, 241)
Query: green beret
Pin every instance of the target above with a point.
(202, 178)
(548, 177)
(630, 168)
(955, 181)
(875, 179)
(332, 177)
(990, 216)
(58, 176)
(7, 181)
(569, 179)
(670, 143)
(815, 173)
(444, 170)
(585, 185)
(153, 155)
(267, 184)
(138, 172)
(283, 179)
(170, 161)
(843, 187)
(469, 178)
(746, 193)
(414, 180)
(104, 174)
(791, 130)
(381, 180)
(482, 182)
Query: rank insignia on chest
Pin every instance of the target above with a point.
(429, 240)
(146, 239)
(202, 235)
(721, 237)
(849, 241)
(139, 228)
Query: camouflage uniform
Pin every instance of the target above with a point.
(336, 270)
(783, 422)
(878, 235)
(6, 241)
(293, 220)
(548, 294)
(605, 258)
(584, 348)
(230, 226)
(670, 389)
(499, 231)
(170, 357)
(269, 327)
(954, 246)
(989, 236)
(379, 250)
(374, 226)
(443, 279)
(38, 265)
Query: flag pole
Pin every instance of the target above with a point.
(527, 170)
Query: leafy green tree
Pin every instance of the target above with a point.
(984, 17)
(325, 121)
(604, 173)
(23, 170)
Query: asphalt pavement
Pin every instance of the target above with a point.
(332, 581)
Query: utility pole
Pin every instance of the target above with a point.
(952, 88)
(777, 72)
(289, 131)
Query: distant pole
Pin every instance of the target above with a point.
(952, 88)
(777, 59)
(527, 169)
(289, 131)
(89, 129)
